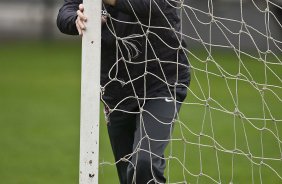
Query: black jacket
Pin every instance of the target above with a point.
(157, 64)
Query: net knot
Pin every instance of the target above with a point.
(207, 103)
(181, 3)
(212, 18)
(124, 159)
(147, 32)
(209, 58)
(243, 22)
(180, 47)
(122, 82)
(261, 60)
(237, 112)
(102, 90)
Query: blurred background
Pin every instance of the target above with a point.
(35, 19)
(40, 86)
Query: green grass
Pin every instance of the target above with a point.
(39, 119)
(230, 131)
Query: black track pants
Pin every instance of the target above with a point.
(139, 139)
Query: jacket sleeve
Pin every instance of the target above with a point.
(67, 16)
(142, 8)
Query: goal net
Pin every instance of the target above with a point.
(229, 128)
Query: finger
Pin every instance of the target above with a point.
(81, 15)
(78, 28)
(81, 24)
(81, 7)
(103, 19)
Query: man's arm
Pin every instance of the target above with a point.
(141, 8)
(67, 17)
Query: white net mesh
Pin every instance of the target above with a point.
(229, 127)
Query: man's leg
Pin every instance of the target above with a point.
(153, 131)
(121, 128)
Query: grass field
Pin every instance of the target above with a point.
(39, 120)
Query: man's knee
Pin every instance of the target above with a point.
(140, 170)
(143, 170)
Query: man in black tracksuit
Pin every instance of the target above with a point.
(144, 79)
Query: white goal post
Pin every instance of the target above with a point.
(90, 94)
